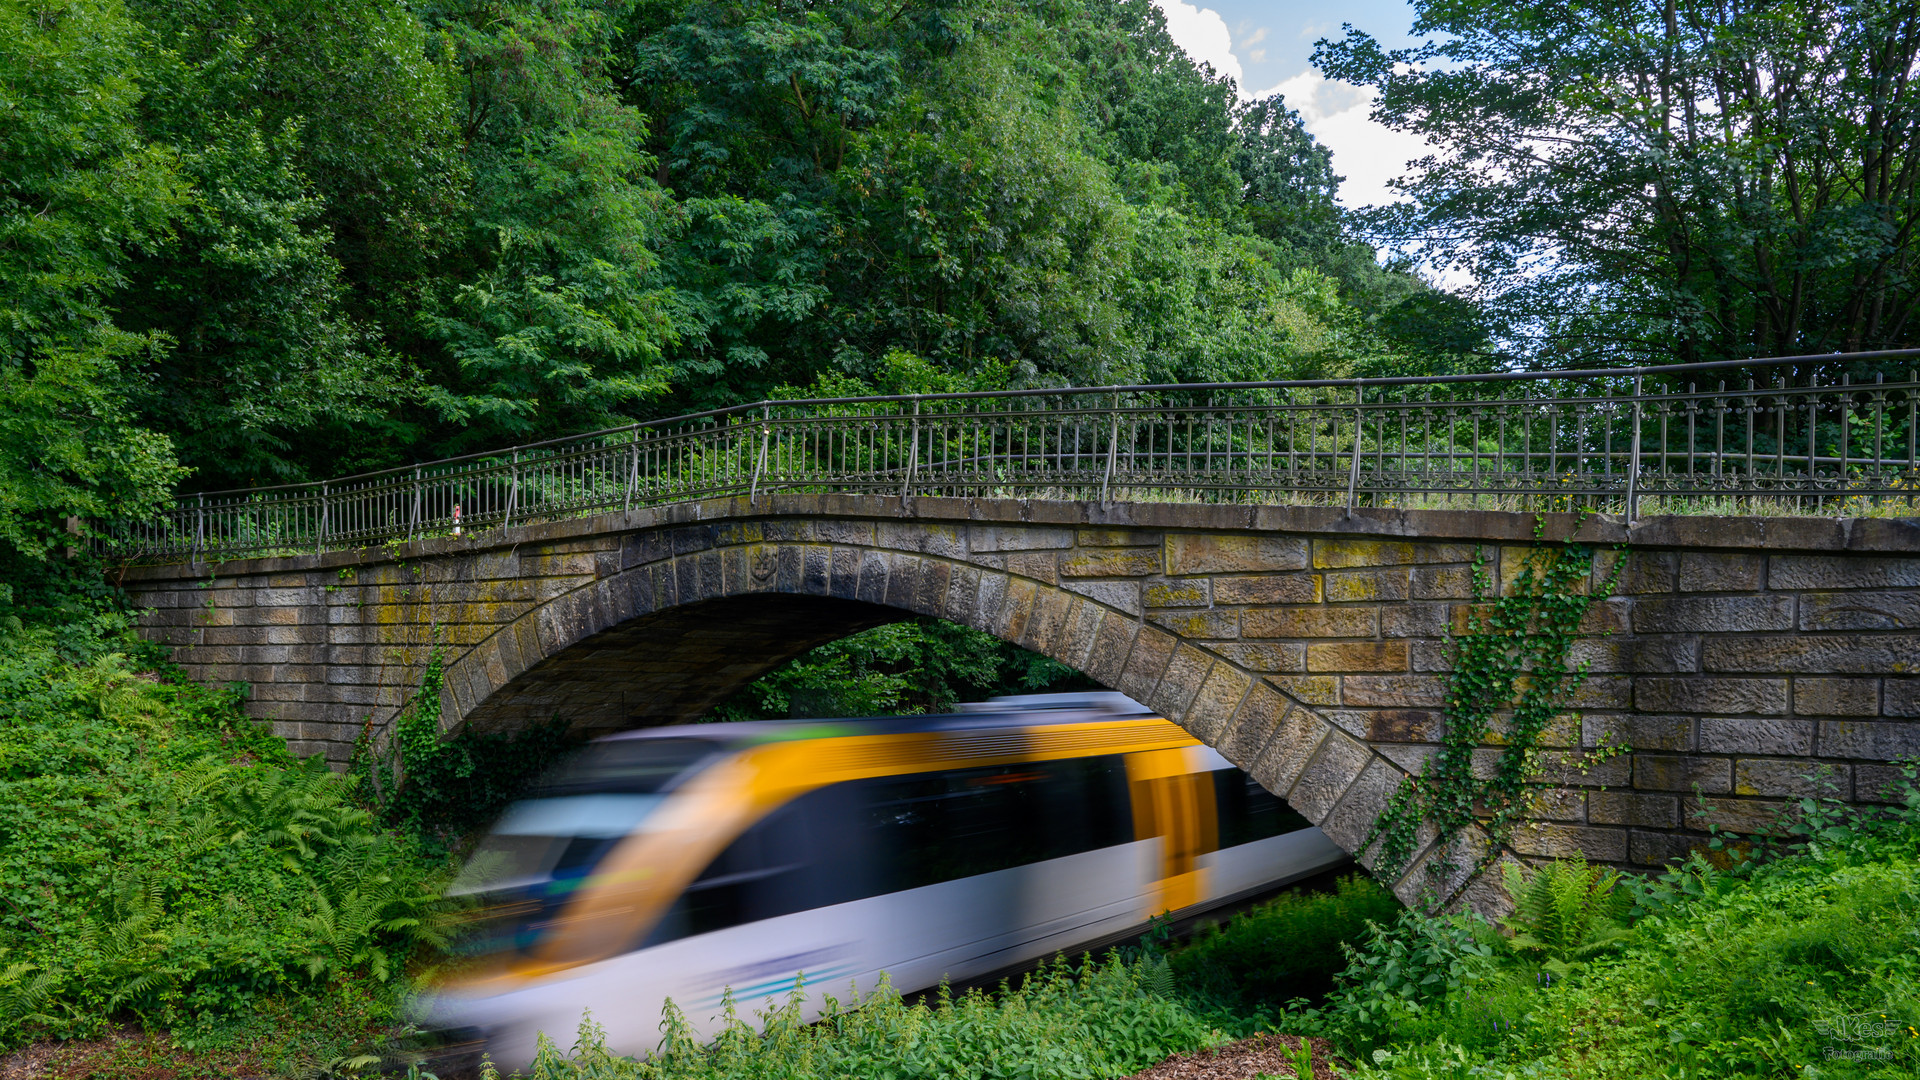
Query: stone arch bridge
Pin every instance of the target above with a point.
(1740, 657)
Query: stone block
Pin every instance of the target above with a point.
(1116, 538)
(1746, 816)
(1357, 586)
(1682, 772)
(1702, 571)
(1633, 808)
(1598, 844)
(1353, 816)
(1863, 609)
(1227, 554)
(1902, 698)
(1199, 625)
(1048, 622)
(1790, 776)
(1442, 583)
(1358, 656)
(1636, 655)
(1179, 592)
(1865, 654)
(1646, 571)
(1111, 562)
(1083, 629)
(1038, 565)
(1405, 725)
(1393, 691)
(1267, 589)
(1712, 614)
(1181, 683)
(1602, 692)
(1710, 695)
(1245, 737)
(1308, 689)
(1432, 656)
(1281, 656)
(1146, 663)
(1869, 740)
(926, 537)
(1017, 608)
(1121, 595)
(1327, 777)
(1288, 748)
(1219, 697)
(1413, 620)
(1559, 804)
(1342, 552)
(1657, 848)
(1842, 572)
(1879, 784)
(997, 538)
(1733, 735)
(1607, 616)
(1836, 697)
(1317, 621)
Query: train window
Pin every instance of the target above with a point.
(1248, 812)
(936, 827)
(639, 766)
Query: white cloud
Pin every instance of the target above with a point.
(1202, 34)
(1366, 153)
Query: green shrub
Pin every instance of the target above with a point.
(1798, 964)
(1060, 1023)
(1564, 911)
(1289, 947)
(164, 859)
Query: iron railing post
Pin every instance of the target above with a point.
(1113, 449)
(513, 492)
(760, 464)
(913, 456)
(1633, 457)
(199, 526)
(1353, 467)
(413, 526)
(320, 541)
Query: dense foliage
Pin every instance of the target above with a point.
(923, 665)
(1802, 965)
(249, 241)
(1660, 180)
(164, 859)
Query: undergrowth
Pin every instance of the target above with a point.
(1801, 961)
(166, 862)
(1100, 1019)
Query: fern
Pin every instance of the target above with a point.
(1564, 911)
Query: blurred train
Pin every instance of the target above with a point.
(690, 861)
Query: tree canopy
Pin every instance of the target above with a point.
(1663, 180)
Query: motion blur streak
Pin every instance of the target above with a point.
(690, 861)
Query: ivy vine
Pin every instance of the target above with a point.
(1510, 657)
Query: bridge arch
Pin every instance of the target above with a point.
(694, 612)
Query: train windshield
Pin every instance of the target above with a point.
(548, 841)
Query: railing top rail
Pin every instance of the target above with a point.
(1082, 391)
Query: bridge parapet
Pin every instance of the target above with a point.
(1739, 657)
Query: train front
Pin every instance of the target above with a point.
(572, 880)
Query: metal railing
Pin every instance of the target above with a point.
(1711, 437)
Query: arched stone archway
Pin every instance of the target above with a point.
(1740, 655)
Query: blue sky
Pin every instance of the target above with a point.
(1266, 45)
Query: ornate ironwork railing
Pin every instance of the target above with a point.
(1762, 435)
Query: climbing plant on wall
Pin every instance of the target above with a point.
(1509, 660)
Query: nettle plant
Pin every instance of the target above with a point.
(1510, 659)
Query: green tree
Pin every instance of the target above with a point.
(80, 195)
(1663, 181)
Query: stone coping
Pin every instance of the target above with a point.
(1806, 535)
